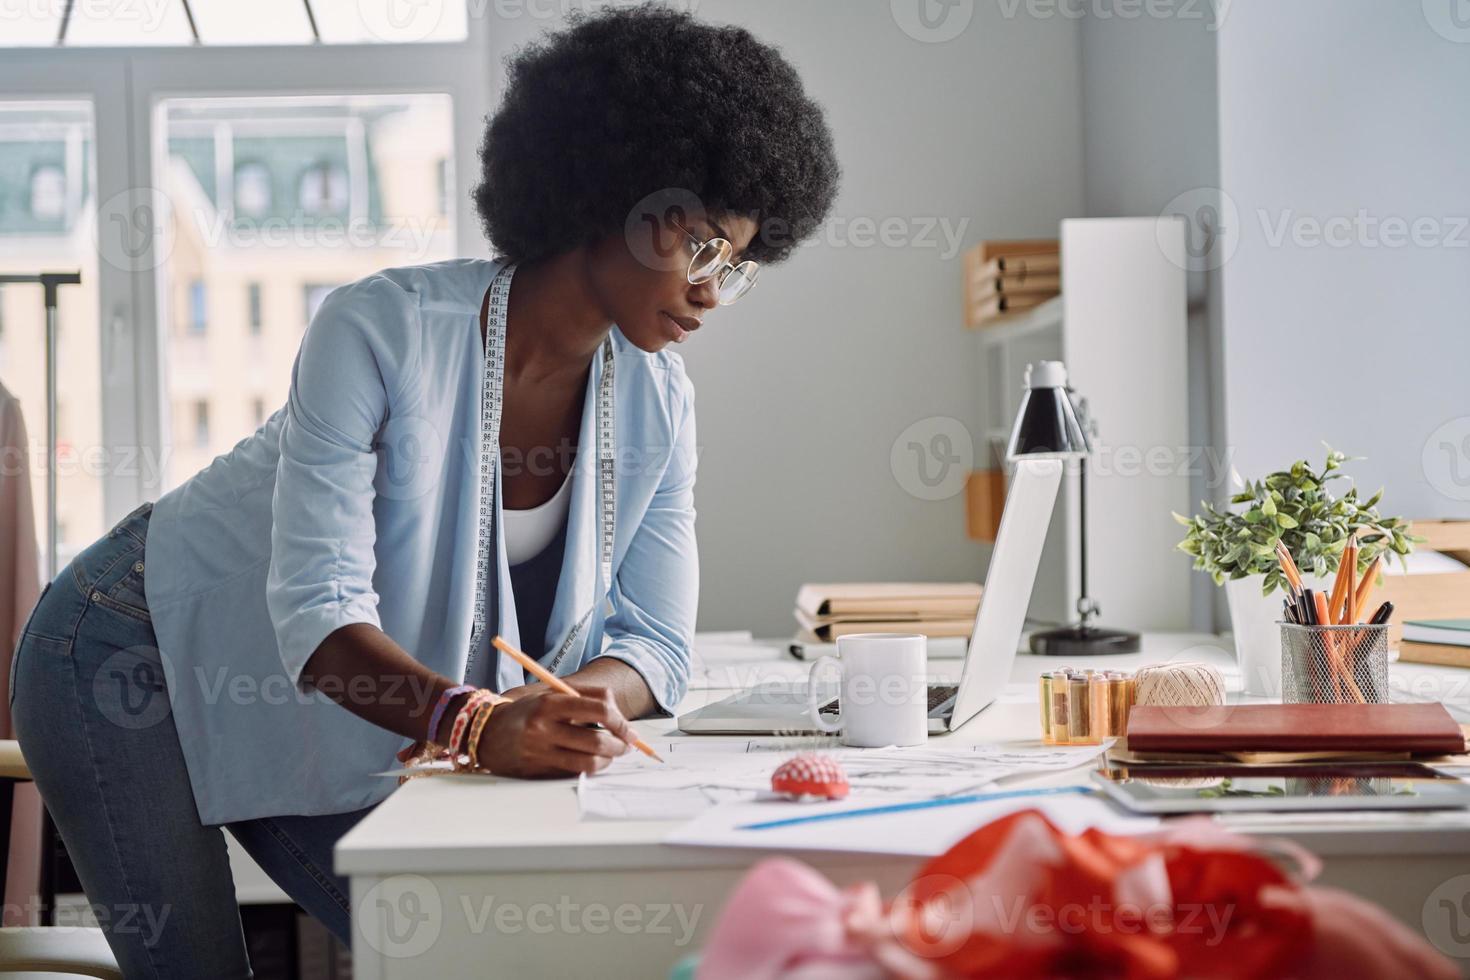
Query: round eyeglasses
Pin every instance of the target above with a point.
(711, 260)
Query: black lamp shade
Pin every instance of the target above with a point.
(1046, 425)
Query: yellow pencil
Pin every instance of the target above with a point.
(557, 684)
(1365, 587)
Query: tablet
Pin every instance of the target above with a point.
(1229, 788)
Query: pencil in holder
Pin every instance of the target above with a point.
(1334, 664)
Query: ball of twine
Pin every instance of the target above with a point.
(1190, 684)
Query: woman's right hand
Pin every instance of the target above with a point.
(546, 734)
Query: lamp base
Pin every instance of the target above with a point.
(1083, 641)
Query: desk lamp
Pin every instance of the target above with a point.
(1050, 426)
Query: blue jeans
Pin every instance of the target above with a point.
(91, 710)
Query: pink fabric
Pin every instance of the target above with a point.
(20, 587)
(20, 564)
(786, 922)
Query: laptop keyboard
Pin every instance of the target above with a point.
(938, 694)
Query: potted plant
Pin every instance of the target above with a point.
(1238, 549)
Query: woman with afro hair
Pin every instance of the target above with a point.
(470, 449)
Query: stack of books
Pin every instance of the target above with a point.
(1003, 279)
(1436, 641)
(936, 609)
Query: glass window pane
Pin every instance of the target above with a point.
(256, 22)
(30, 24)
(34, 23)
(47, 224)
(398, 21)
(338, 188)
(123, 22)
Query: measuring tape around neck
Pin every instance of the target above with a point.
(491, 403)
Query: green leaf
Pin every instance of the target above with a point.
(1285, 520)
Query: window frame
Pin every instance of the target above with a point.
(127, 87)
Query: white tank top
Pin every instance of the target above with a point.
(528, 532)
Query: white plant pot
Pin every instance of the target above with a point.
(1255, 619)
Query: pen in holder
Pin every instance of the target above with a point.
(1334, 664)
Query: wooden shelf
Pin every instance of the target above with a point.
(1047, 316)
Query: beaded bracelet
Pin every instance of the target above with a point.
(477, 728)
(439, 707)
(463, 719)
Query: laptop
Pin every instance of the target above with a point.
(781, 709)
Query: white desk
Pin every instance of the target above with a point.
(475, 876)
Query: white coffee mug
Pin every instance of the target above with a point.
(884, 695)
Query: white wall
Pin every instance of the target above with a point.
(1150, 134)
(1330, 109)
(804, 386)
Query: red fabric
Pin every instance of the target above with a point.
(1020, 899)
(1079, 910)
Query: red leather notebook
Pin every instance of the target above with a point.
(1419, 728)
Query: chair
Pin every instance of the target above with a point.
(44, 952)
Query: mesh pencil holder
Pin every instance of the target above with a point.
(1334, 664)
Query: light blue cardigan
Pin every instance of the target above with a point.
(357, 503)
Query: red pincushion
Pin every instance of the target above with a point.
(810, 775)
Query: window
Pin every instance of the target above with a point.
(48, 192)
(363, 199)
(314, 294)
(252, 291)
(198, 318)
(48, 223)
(222, 22)
(252, 190)
(175, 191)
(323, 189)
(201, 424)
